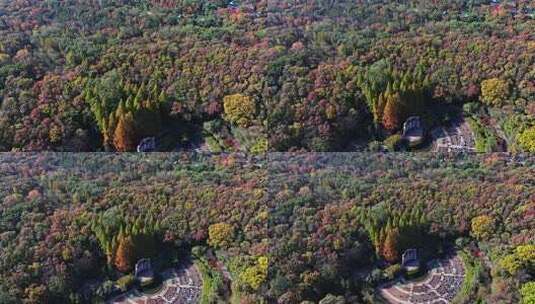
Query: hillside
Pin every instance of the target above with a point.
(286, 228)
(274, 75)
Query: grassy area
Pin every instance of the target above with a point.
(236, 297)
(473, 273)
(212, 282)
(485, 139)
(513, 124)
(153, 288)
(213, 144)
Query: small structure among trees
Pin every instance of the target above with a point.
(410, 261)
(143, 272)
(413, 131)
(147, 144)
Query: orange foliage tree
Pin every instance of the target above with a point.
(392, 112)
(124, 138)
(390, 246)
(124, 257)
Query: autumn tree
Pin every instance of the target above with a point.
(35, 294)
(390, 247)
(527, 140)
(510, 263)
(124, 137)
(125, 255)
(373, 82)
(482, 227)
(522, 258)
(256, 275)
(391, 95)
(239, 109)
(526, 253)
(494, 91)
(220, 234)
(528, 293)
(392, 115)
(260, 146)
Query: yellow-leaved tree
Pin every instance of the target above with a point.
(494, 92)
(256, 275)
(239, 109)
(527, 140)
(522, 258)
(482, 227)
(528, 293)
(220, 235)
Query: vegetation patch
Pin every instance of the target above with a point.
(472, 279)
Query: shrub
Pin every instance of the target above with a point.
(471, 108)
(261, 146)
(413, 273)
(375, 146)
(392, 271)
(105, 289)
(125, 282)
(395, 143)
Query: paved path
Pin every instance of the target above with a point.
(439, 287)
(180, 286)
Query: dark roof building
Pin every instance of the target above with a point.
(147, 145)
(409, 260)
(413, 132)
(143, 271)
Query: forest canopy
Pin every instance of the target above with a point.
(252, 76)
(289, 228)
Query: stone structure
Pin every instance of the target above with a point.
(413, 131)
(144, 271)
(147, 145)
(409, 260)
